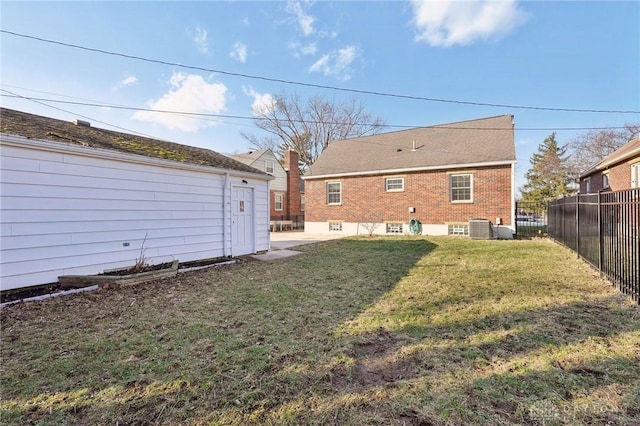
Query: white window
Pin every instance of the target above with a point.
(461, 188)
(334, 192)
(605, 180)
(278, 202)
(394, 184)
(335, 226)
(587, 185)
(268, 167)
(458, 229)
(394, 228)
(635, 175)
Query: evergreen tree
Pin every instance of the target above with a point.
(549, 175)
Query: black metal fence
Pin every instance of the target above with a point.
(531, 219)
(603, 229)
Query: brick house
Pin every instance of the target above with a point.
(286, 190)
(441, 177)
(617, 171)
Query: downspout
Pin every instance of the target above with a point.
(224, 214)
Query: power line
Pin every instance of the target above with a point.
(102, 104)
(201, 115)
(317, 86)
(38, 101)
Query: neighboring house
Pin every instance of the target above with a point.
(440, 176)
(617, 171)
(286, 190)
(79, 200)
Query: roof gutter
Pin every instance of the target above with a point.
(19, 141)
(628, 155)
(411, 169)
(604, 165)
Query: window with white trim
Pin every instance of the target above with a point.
(278, 202)
(335, 226)
(334, 192)
(268, 167)
(605, 180)
(459, 229)
(587, 185)
(461, 188)
(394, 184)
(394, 228)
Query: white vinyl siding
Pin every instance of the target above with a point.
(334, 192)
(394, 184)
(70, 213)
(461, 188)
(268, 161)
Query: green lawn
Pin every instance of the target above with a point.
(356, 331)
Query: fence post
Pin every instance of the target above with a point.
(600, 242)
(578, 225)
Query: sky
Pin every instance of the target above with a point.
(544, 62)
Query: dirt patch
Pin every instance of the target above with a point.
(136, 270)
(379, 362)
(55, 288)
(25, 293)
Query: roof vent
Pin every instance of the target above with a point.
(414, 146)
(81, 123)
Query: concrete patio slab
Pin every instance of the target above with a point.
(281, 242)
(275, 254)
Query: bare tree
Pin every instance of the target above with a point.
(591, 147)
(309, 126)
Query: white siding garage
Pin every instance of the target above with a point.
(68, 209)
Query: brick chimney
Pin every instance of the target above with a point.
(292, 167)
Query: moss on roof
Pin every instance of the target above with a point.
(32, 126)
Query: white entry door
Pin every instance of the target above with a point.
(242, 232)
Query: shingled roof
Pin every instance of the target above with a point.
(627, 151)
(32, 126)
(249, 157)
(475, 142)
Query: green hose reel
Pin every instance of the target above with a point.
(415, 227)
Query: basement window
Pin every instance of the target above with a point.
(394, 228)
(335, 226)
(459, 229)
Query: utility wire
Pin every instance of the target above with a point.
(39, 101)
(317, 86)
(200, 115)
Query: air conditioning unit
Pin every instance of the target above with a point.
(480, 229)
